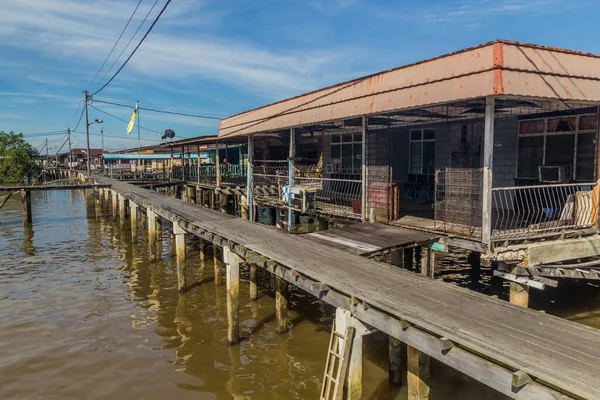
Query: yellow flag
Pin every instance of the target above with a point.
(132, 120)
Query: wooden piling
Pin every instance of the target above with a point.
(217, 265)
(253, 282)
(281, 304)
(122, 209)
(418, 374)
(203, 256)
(427, 262)
(343, 320)
(26, 206)
(519, 294)
(398, 361)
(114, 204)
(133, 213)
(152, 233)
(232, 262)
(180, 251)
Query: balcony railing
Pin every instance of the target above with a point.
(229, 173)
(526, 211)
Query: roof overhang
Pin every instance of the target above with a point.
(499, 68)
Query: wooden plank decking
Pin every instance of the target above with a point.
(552, 350)
(365, 238)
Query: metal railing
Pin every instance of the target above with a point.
(229, 173)
(339, 197)
(525, 211)
(269, 177)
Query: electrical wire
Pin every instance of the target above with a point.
(157, 110)
(136, 47)
(123, 120)
(119, 137)
(116, 43)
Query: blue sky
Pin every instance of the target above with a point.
(221, 57)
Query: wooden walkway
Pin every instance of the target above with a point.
(488, 339)
(366, 238)
(52, 186)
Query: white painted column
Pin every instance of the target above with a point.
(232, 273)
(488, 160)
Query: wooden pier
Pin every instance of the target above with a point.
(522, 353)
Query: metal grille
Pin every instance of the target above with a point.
(382, 196)
(269, 176)
(458, 201)
(522, 212)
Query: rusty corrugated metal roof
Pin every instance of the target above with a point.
(495, 68)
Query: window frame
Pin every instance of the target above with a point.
(421, 140)
(341, 143)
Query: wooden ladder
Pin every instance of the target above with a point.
(338, 358)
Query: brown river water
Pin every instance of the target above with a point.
(85, 314)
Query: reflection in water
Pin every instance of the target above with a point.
(85, 311)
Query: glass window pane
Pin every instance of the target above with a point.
(560, 149)
(358, 137)
(415, 158)
(429, 158)
(347, 138)
(336, 151)
(530, 156)
(335, 138)
(585, 157)
(429, 134)
(415, 135)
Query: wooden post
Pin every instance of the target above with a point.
(114, 199)
(290, 212)
(427, 262)
(122, 209)
(232, 262)
(217, 265)
(26, 205)
(180, 251)
(203, 256)
(343, 320)
(281, 305)
(418, 375)
(217, 167)
(151, 233)
(244, 207)
(133, 214)
(250, 179)
(398, 361)
(475, 261)
(363, 214)
(253, 282)
(488, 159)
(198, 172)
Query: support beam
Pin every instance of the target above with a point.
(250, 179)
(217, 265)
(418, 374)
(343, 320)
(26, 206)
(133, 215)
(253, 282)
(232, 262)
(281, 305)
(290, 212)
(180, 251)
(151, 233)
(398, 361)
(363, 214)
(488, 158)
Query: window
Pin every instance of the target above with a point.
(346, 152)
(564, 140)
(422, 151)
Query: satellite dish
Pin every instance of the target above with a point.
(169, 134)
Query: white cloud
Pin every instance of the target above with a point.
(87, 30)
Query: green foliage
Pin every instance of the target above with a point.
(17, 158)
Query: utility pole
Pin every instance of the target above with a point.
(47, 152)
(87, 130)
(70, 151)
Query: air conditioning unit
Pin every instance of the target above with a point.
(555, 173)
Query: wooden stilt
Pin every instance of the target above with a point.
(26, 205)
(133, 214)
(203, 256)
(232, 262)
(244, 207)
(475, 261)
(180, 250)
(409, 258)
(122, 209)
(427, 262)
(398, 361)
(281, 304)
(217, 265)
(114, 204)
(418, 375)
(343, 320)
(253, 282)
(151, 233)
(519, 294)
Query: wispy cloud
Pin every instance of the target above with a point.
(472, 11)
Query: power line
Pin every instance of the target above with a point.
(116, 43)
(119, 137)
(43, 134)
(123, 120)
(136, 47)
(158, 111)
